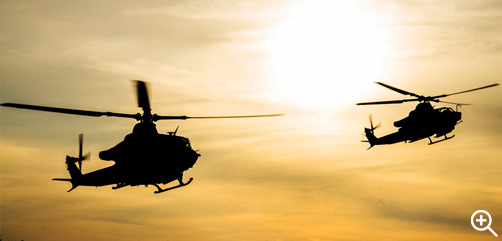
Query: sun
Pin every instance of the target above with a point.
(326, 51)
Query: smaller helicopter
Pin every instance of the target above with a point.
(422, 122)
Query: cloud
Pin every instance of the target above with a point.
(442, 28)
(303, 176)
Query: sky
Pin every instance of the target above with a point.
(302, 176)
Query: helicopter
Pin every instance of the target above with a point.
(144, 157)
(422, 122)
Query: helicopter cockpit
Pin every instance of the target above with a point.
(446, 110)
(449, 114)
(185, 141)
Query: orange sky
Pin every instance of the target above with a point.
(303, 176)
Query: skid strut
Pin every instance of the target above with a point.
(445, 138)
(119, 185)
(180, 180)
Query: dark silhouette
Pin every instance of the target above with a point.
(422, 122)
(141, 159)
(144, 157)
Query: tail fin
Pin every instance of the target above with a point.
(370, 136)
(72, 167)
(75, 173)
(369, 133)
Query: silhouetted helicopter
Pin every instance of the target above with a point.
(422, 122)
(144, 157)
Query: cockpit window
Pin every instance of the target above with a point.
(185, 141)
(446, 109)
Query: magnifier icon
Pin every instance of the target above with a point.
(475, 219)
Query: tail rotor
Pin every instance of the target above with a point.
(80, 157)
(369, 133)
(372, 129)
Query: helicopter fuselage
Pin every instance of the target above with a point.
(422, 122)
(142, 158)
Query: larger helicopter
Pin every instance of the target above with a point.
(144, 157)
(422, 122)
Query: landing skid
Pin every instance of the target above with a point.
(119, 185)
(171, 188)
(445, 138)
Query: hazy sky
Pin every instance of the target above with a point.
(303, 176)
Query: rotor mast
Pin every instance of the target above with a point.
(144, 102)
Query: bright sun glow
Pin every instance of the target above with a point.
(326, 51)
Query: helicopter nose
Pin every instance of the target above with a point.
(191, 158)
(195, 156)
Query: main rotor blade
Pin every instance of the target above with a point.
(400, 91)
(159, 117)
(465, 91)
(70, 111)
(387, 102)
(142, 95)
(453, 103)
